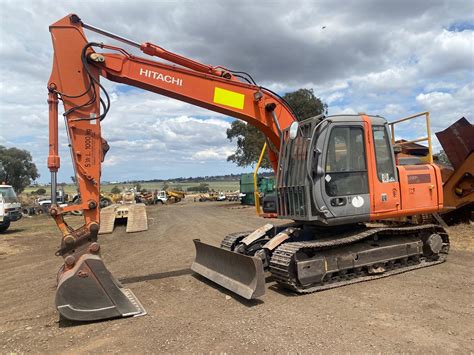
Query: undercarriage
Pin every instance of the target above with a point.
(310, 259)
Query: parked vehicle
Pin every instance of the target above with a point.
(10, 207)
(221, 197)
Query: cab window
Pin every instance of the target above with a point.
(8, 194)
(346, 170)
(383, 155)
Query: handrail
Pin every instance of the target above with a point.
(256, 193)
(428, 132)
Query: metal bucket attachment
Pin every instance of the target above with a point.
(89, 292)
(238, 273)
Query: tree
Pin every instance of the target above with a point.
(305, 104)
(116, 190)
(249, 144)
(40, 191)
(250, 140)
(17, 168)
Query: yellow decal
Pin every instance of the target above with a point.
(228, 98)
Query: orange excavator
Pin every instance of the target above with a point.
(334, 174)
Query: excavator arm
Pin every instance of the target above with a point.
(86, 289)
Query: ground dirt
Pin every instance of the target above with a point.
(427, 310)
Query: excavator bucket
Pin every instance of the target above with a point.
(89, 292)
(238, 273)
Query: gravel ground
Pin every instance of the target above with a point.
(427, 310)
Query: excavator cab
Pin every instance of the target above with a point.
(324, 178)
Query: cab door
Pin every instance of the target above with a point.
(345, 187)
(385, 186)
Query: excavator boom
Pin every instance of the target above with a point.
(86, 289)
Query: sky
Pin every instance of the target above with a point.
(389, 58)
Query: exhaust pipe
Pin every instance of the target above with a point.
(241, 274)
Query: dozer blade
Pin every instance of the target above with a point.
(238, 273)
(89, 292)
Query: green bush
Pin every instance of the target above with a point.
(116, 190)
(40, 191)
(203, 187)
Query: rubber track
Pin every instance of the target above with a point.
(281, 261)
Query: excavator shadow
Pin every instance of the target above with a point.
(67, 323)
(13, 231)
(274, 287)
(188, 271)
(156, 276)
(248, 303)
(283, 291)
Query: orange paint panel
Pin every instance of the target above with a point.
(418, 197)
(418, 190)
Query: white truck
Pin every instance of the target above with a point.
(10, 207)
(161, 197)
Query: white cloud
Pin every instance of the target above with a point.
(335, 96)
(449, 52)
(395, 78)
(211, 154)
(393, 110)
(448, 107)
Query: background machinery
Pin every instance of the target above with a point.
(167, 196)
(174, 196)
(265, 185)
(334, 174)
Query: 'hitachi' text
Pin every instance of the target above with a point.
(159, 76)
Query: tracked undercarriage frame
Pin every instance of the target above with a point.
(307, 259)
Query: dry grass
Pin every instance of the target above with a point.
(462, 236)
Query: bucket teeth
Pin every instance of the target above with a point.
(241, 274)
(89, 292)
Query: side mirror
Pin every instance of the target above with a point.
(293, 130)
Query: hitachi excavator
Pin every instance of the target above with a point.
(334, 174)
